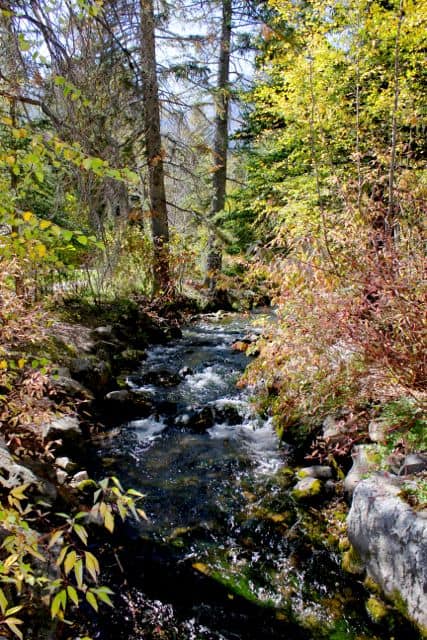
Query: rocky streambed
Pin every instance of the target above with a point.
(243, 540)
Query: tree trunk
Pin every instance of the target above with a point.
(153, 149)
(219, 180)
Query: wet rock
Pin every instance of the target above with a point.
(227, 415)
(161, 378)
(321, 472)
(125, 404)
(307, 489)
(413, 463)
(67, 429)
(391, 541)
(184, 372)
(197, 421)
(91, 372)
(365, 461)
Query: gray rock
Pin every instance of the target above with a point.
(391, 541)
(61, 476)
(66, 429)
(70, 387)
(322, 472)
(66, 464)
(331, 427)
(13, 474)
(79, 477)
(365, 462)
(103, 332)
(413, 463)
(307, 489)
(377, 431)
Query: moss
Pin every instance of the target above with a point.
(376, 608)
(351, 562)
(308, 490)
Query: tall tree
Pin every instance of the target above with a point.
(153, 148)
(220, 148)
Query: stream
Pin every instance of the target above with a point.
(225, 554)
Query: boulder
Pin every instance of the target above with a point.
(413, 463)
(198, 421)
(331, 427)
(66, 429)
(93, 373)
(13, 474)
(365, 462)
(307, 489)
(66, 464)
(103, 332)
(78, 478)
(161, 378)
(65, 385)
(227, 415)
(390, 539)
(321, 472)
(124, 404)
(377, 431)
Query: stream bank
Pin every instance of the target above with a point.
(241, 542)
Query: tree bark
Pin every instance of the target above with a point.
(220, 148)
(153, 149)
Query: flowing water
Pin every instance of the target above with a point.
(225, 553)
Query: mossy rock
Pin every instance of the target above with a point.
(307, 489)
(376, 608)
(351, 562)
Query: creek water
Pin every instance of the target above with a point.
(225, 554)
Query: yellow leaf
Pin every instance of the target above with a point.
(21, 363)
(109, 520)
(7, 121)
(200, 566)
(70, 561)
(45, 224)
(3, 364)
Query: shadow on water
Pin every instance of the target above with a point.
(225, 553)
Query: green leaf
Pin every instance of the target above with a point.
(103, 594)
(90, 597)
(56, 605)
(82, 240)
(72, 594)
(3, 601)
(78, 572)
